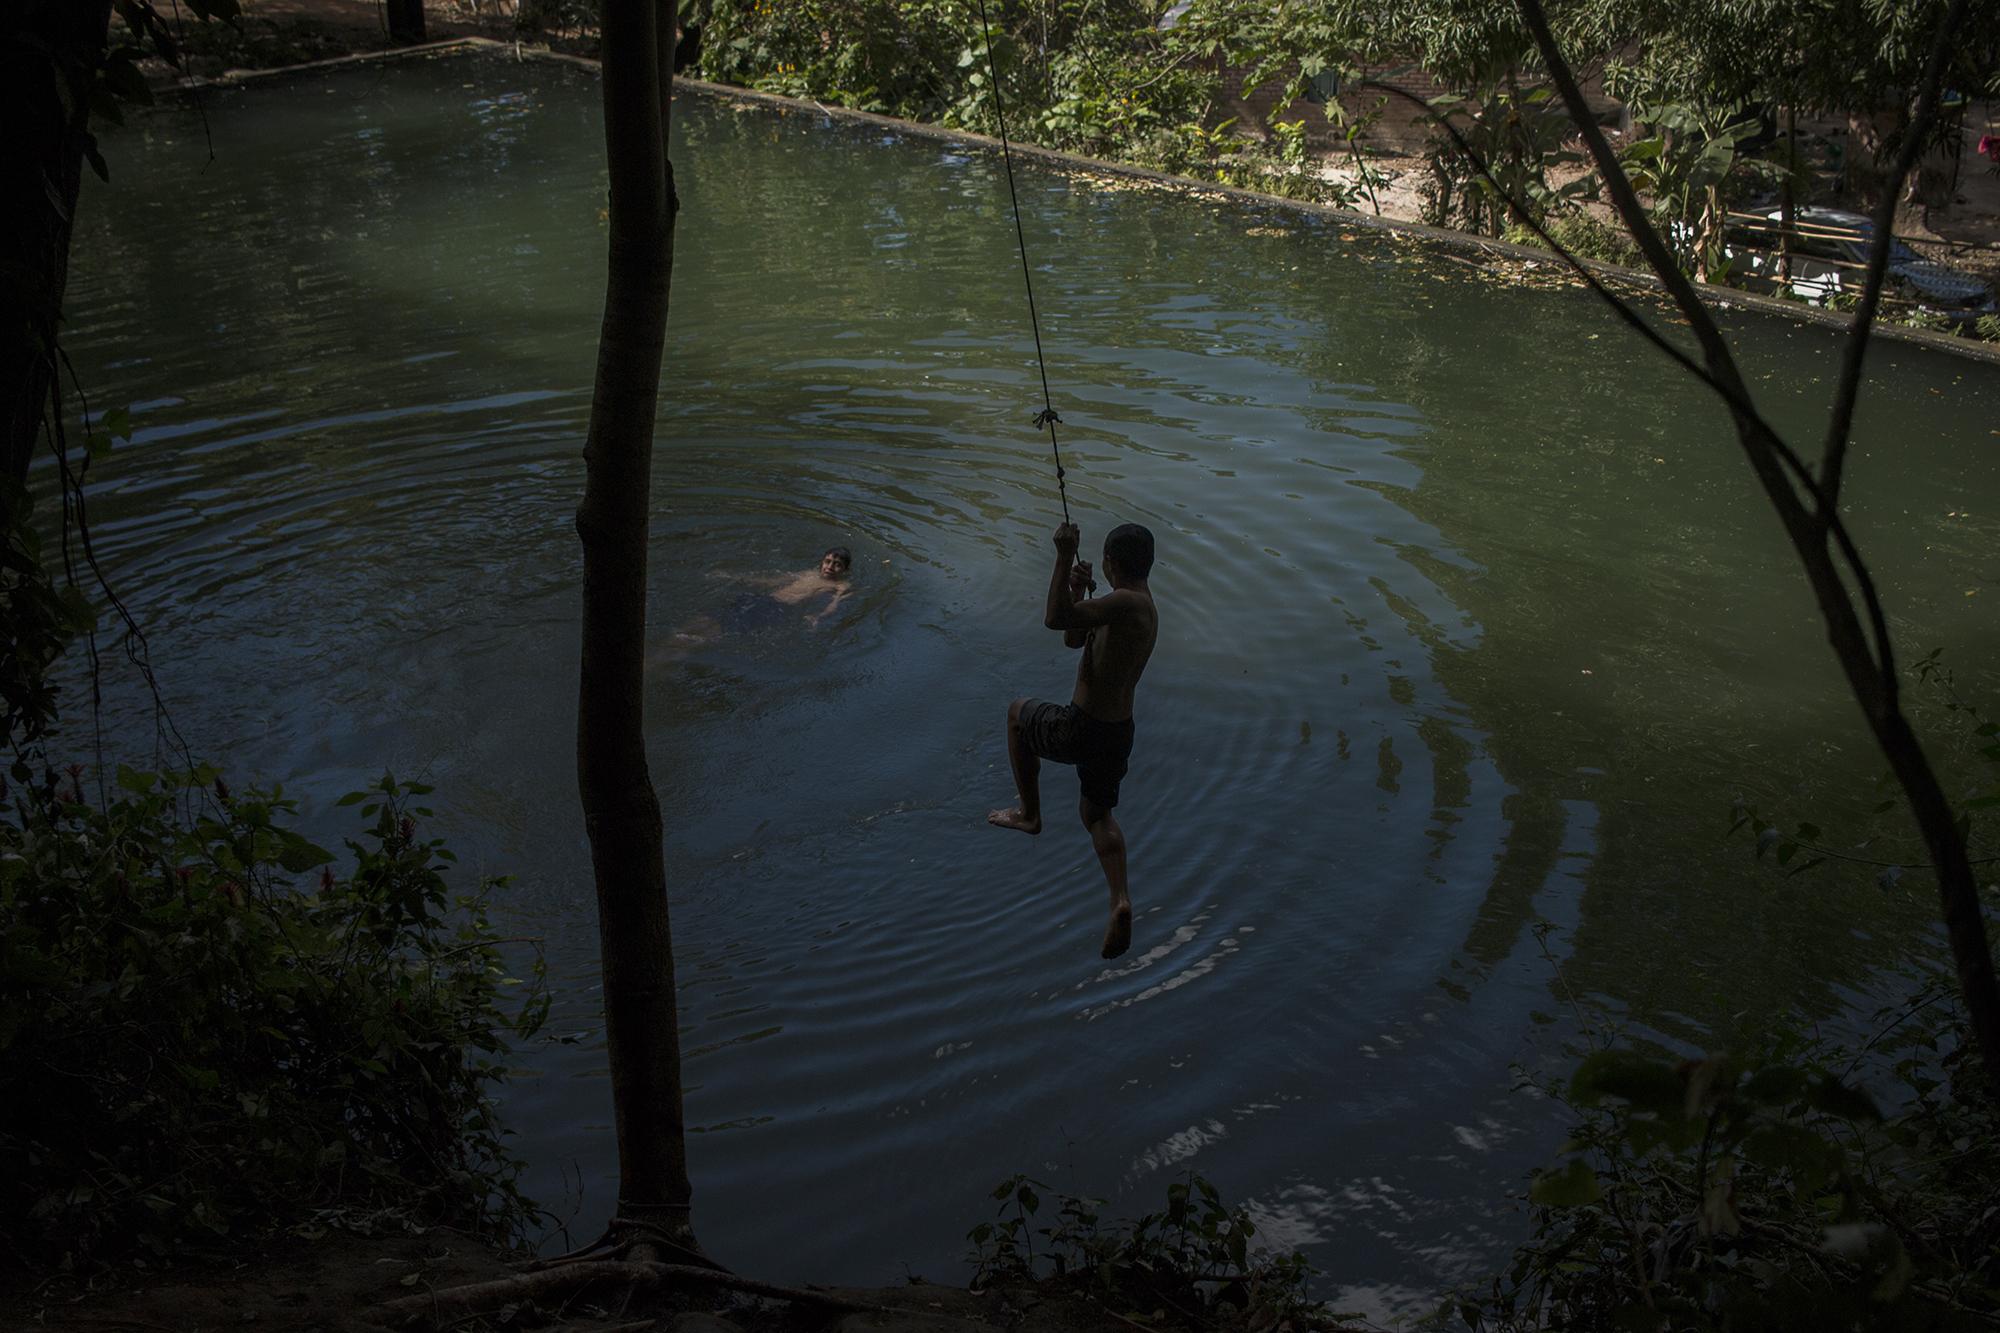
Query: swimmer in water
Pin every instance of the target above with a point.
(775, 599)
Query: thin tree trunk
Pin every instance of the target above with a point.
(49, 51)
(406, 20)
(621, 810)
(1785, 214)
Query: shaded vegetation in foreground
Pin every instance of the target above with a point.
(206, 1031)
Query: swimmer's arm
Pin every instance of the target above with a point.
(839, 596)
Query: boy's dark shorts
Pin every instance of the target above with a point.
(1066, 734)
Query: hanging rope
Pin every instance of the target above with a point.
(1047, 416)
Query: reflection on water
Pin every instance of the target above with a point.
(1470, 623)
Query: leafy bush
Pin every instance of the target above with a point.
(1766, 1193)
(1583, 236)
(1193, 1259)
(192, 1040)
(1518, 134)
(1081, 76)
(38, 619)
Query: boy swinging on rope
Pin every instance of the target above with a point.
(1094, 730)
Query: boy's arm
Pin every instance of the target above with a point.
(1064, 610)
(839, 596)
(1082, 617)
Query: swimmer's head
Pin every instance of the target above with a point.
(836, 562)
(1128, 553)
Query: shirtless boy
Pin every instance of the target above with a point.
(1094, 730)
(782, 596)
(796, 591)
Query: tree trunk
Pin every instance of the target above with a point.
(406, 20)
(49, 53)
(621, 811)
(1785, 207)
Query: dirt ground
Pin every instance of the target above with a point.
(339, 1282)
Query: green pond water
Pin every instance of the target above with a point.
(1471, 620)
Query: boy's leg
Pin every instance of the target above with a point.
(1027, 816)
(1109, 842)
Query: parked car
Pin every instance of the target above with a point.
(1830, 255)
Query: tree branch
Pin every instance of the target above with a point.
(1848, 387)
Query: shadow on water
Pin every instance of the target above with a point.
(1469, 623)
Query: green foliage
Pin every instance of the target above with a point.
(41, 618)
(1859, 56)
(197, 1033)
(1978, 735)
(1519, 135)
(1765, 1192)
(1081, 76)
(1691, 165)
(1584, 236)
(1970, 747)
(1194, 1258)
(1988, 327)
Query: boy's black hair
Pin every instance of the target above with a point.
(845, 556)
(1131, 546)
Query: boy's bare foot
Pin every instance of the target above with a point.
(1118, 936)
(1014, 819)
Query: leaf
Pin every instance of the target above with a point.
(1775, 1085)
(121, 75)
(299, 856)
(1839, 1099)
(1809, 1159)
(1638, 1319)
(1571, 1187)
(1646, 1083)
(95, 158)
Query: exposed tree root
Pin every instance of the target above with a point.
(552, 1285)
(635, 1238)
